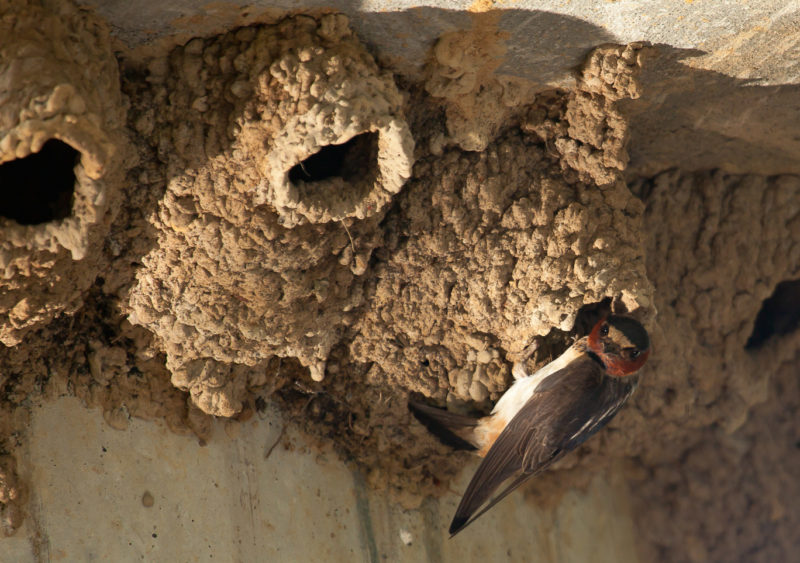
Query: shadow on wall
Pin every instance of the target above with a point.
(699, 119)
(542, 47)
(779, 315)
(540, 44)
(687, 117)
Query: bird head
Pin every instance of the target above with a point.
(621, 343)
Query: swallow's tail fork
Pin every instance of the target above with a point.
(454, 430)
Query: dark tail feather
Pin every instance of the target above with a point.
(445, 425)
(464, 516)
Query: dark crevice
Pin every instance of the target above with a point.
(349, 161)
(779, 315)
(39, 187)
(589, 315)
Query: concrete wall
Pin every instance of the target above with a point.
(241, 500)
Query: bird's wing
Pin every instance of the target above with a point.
(564, 411)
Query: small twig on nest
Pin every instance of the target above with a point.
(352, 245)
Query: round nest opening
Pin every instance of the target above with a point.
(40, 187)
(352, 175)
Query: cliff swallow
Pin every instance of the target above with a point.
(543, 416)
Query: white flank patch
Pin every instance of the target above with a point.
(522, 389)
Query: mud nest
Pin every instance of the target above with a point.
(334, 278)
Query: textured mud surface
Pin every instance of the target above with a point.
(256, 254)
(723, 457)
(62, 153)
(301, 226)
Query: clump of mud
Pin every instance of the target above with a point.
(432, 288)
(62, 158)
(283, 238)
(460, 75)
(482, 252)
(282, 147)
(12, 496)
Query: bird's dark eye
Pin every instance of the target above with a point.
(604, 330)
(634, 354)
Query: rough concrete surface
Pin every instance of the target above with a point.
(210, 213)
(267, 495)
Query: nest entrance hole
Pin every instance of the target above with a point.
(39, 188)
(350, 161)
(779, 314)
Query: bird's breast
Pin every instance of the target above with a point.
(516, 397)
(522, 389)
